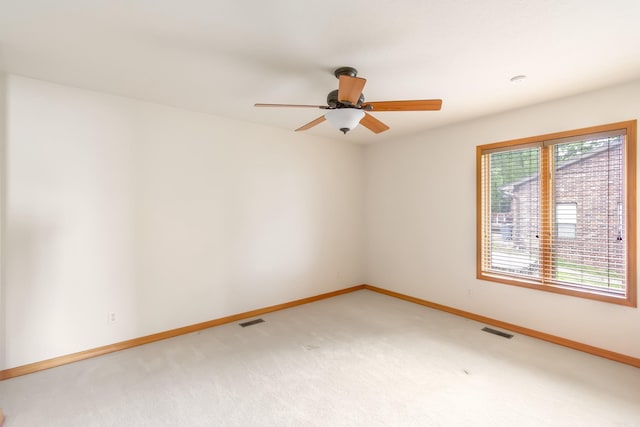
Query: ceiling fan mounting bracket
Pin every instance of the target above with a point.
(345, 71)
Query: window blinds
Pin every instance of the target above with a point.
(589, 176)
(553, 212)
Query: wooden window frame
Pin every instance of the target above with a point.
(629, 184)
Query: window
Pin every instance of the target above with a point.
(566, 219)
(557, 212)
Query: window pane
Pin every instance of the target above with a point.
(566, 231)
(513, 244)
(588, 195)
(566, 219)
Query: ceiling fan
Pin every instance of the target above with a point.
(347, 107)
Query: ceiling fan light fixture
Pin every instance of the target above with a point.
(346, 107)
(344, 119)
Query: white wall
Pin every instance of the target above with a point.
(421, 211)
(163, 216)
(3, 132)
(168, 217)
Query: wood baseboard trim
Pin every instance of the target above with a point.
(98, 351)
(618, 357)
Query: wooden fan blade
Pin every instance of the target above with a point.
(350, 89)
(415, 105)
(311, 124)
(373, 124)
(291, 105)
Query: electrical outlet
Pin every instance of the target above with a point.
(112, 317)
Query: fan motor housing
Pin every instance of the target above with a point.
(332, 101)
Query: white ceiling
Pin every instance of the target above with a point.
(222, 56)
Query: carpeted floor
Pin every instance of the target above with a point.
(360, 359)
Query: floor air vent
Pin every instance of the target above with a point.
(251, 322)
(497, 332)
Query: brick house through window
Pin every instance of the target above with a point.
(588, 228)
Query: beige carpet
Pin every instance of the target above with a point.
(361, 359)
